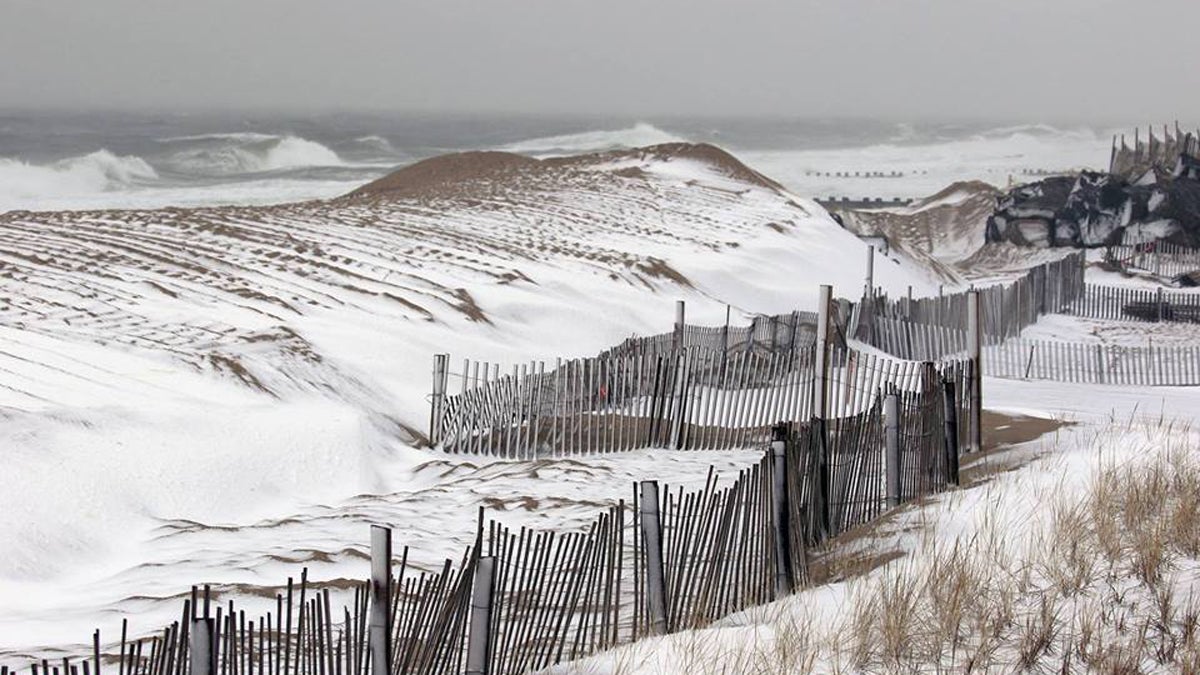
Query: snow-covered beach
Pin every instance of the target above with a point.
(223, 394)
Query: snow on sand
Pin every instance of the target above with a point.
(225, 394)
(1075, 551)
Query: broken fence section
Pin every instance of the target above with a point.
(1163, 259)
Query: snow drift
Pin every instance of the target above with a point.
(204, 390)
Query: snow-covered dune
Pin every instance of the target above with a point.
(166, 372)
(946, 227)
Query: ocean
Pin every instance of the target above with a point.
(106, 160)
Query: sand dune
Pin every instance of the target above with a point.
(217, 394)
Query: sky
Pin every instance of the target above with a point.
(1027, 59)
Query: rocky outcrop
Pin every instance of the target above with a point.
(1099, 209)
(1150, 192)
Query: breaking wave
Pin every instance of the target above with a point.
(638, 135)
(904, 133)
(1044, 131)
(100, 171)
(376, 143)
(242, 153)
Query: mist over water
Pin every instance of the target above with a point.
(133, 160)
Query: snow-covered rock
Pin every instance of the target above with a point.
(1098, 209)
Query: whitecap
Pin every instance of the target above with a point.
(240, 154)
(376, 143)
(98, 172)
(640, 134)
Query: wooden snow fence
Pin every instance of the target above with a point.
(1161, 258)
(934, 329)
(1059, 361)
(521, 599)
(1006, 308)
(694, 399)
(1136, 304)
(919, 341)
(858, 467)
(1094, 363)
(796, 331)
(305, 634)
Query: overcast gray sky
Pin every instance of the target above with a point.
(1063, 59)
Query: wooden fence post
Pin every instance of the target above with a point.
(792, 333)
(784, 582)
(202, 656)
(96, 646)
(677, 337)
(891, 440)
(656, 588)
(679, 411)
(908, 325)
(821, 372)
(1043, 277)
(821, 490)
(820, 413)
(725, 343)
(680, 376)
(950, 418)
(440, 372)
(479, 637)
(1158, 299)
(725, 332)
(975, 354)
(869, 291)
(381, 600)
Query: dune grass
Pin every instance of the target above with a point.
(1085, 562)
